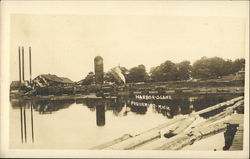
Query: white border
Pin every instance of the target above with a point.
(185, 8)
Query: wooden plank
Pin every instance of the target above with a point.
(237, 143)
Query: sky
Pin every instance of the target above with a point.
(66, 44)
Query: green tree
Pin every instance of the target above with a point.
(228, 67)
(89, 79)
(167, 71)
(206, 68)
(108, 77)
(215, 67)
(238, 64)
(183, 70)
(137, 74)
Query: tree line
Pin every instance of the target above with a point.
(204, 68)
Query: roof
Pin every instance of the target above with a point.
(66, 80)
(55, 78)
(15, 84)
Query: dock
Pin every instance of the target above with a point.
(237, 143)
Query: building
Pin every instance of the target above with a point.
(51, 80)
(99, 70)
(240, 75)
(16, 85)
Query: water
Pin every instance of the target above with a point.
(81, 124)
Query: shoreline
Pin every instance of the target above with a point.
(113, 95)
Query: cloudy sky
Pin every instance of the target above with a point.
(66, 44)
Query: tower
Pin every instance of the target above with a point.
(98, 70)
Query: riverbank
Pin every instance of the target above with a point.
(164, 88)
(111, 95)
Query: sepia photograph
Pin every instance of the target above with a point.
(154, 78)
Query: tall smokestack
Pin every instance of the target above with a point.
(30, 63)
(23, 62)
(20, 72)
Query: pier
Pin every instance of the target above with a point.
(237, 143)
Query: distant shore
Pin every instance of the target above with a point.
(179, 88)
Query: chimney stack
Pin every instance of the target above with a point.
(23, 63)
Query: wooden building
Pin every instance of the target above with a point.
(45, 80)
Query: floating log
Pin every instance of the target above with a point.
(180, 127)
(138, 139)
(164, 125)
(228, 111)
(202, 131)
(179, 138)
(227, 103)
(115, 141)
(196, 134)
(153, 134)
(170, 135)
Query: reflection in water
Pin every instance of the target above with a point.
(138, 110)
(21, 118)
(24, 122)
(98, 106)
(116, 106)
(120, 108)
(168, 107)
(100, 115)
(23, 105)
(32, 124)
(48, 107)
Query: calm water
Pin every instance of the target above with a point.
(81, 124)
